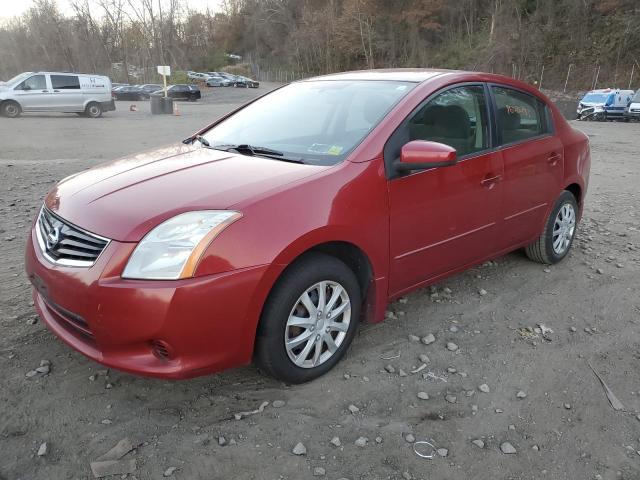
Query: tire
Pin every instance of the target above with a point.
(93, 110)
(550, 248)
(310, 274)
(10, 109)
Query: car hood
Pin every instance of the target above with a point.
(126, 198)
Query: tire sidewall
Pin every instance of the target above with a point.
(565, 198)
(271, 330)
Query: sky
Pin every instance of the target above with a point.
(11, 8)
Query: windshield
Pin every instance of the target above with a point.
(17, 78)
(595, 97)
(318, 122)
(636, 97)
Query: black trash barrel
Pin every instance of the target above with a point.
(160, 105)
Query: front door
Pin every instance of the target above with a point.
(445, 218)
(33, 94)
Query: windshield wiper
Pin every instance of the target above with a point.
(203, 141)
(255, 151)
(244, 147)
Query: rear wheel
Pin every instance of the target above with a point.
(309, 319)
(556, 240)
(10, 109)
(93, 110)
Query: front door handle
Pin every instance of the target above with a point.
(554, 158)
(490, 182)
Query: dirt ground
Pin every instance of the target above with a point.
(563, 428)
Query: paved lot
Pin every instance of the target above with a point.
(563, 428)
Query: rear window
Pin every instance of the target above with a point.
(65, 82)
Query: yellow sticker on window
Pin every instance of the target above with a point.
(335, 150)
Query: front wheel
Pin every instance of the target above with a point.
(309, 319)
(556, 240)
(10, 109)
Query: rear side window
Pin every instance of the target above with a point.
(65, 82)
(520, 116)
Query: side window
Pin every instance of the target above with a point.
(520, 116)
(456, 117)
(36, 82)
(65, 82)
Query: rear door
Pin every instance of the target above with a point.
(533, 163)
(67, 95)
(33, 93)
(444, 218)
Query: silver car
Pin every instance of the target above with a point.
(88, 95)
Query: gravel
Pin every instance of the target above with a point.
(428, 339)
(507, 448)
(299, 449)
(361, 442)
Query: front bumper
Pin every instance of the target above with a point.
(630, 114)
(169, 329)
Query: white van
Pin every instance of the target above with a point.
(88, 95)
(633, 110)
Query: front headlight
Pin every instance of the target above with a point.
(172, 249)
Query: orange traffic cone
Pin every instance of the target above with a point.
(133, 108)
(176, 110)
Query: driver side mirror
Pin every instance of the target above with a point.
(422, 155)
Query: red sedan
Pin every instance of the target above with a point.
(270, 234)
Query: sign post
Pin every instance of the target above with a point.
(165, 71)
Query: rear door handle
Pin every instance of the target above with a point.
(57, 91)
(554, 158)
(489, 182)
(45, 91)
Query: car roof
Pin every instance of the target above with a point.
(416, 75)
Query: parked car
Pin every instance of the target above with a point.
(245, 82)
(197, 77)
(151, 87)
(229, 76)
(216, 81)
(604, 104)
(632, 112)
(182, 92)
(131, 92)
(89, 95)
(271, 233)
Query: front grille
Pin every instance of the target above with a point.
(66, 244)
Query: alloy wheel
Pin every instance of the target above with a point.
(564, 228)
(318, 324)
